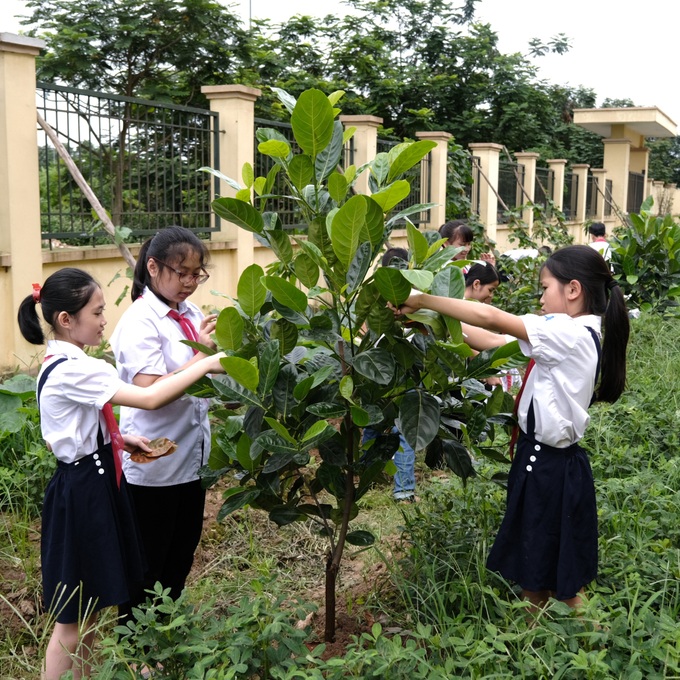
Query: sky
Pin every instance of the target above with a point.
(618, 53)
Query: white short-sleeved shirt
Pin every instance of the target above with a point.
(561, 383)
(603, 248)
(72, 398)
(146, 340)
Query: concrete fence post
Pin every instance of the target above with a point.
(20, 246)
(439, 157)
(365, 144)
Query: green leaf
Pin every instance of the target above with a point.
(419, 416)
(242, 371)
(327, 410)
(229, 329)
(248, 175)
(380, 320)
(282, 515)
(286, 293)
(436, 261)
(11, 419)
(317, 430)
(375, 222)
(236, 501)
(312, 251)
(347, 387)
(376, 364)
(274, 148)
(270, 363)
(418, 278)
(337, 187)
(286, 333)
(449, 282)
(280, 243)
(359, 267)
(417, 244)
(392, 285)
(392, 195)
(228, 180)
(360, 417)
(361, 538)
(20, 385)
(240, 213)
(245, 460)
(312, 121)
(411, 154)
(234, 391)
(330, 157)
(284, 387)
(306, 270)
(347, 226)
(380, 167)
(300, 170)
(250, 291)
(285, 98)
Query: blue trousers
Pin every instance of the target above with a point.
(405, 461)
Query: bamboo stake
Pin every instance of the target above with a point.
(87, 190)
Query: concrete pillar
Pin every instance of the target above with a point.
(649, 186)
(528, 160)
(639, 160)
(20, 247)
(558, 165)
(235, 105)
(658, 196)
(439, 157)
(600, 175)
(617, 162)
(365, 144)
(581, 171)
(488, 156)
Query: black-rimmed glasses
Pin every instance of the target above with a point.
(185, 277)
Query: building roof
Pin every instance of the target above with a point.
(647, 121)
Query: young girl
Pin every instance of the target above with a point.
(148, 346)
(548, 539)
(91, 557)
(481, 281)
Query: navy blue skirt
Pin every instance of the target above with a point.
(92, 555)
(548, 537)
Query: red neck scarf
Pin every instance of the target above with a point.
(186, 326)
(515, 430)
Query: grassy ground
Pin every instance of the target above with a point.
(441, 614)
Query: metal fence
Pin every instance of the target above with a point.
(543, 187)
(636, 192)
(570, 200)
(473, 190)
(591, 197)
(141, 159)
(510, 182)
(608, 184)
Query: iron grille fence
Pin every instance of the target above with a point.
(636, 192)
(591, 197)
(472, 190)
(543, 186)
(570, 195)
(608, 184)
(510, 182)
(141, 159)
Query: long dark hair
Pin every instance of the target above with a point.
(170, 244)
(603, 297)
(67, 290)
(484, 272)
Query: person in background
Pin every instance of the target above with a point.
(404, 489)
(148, 346)
(459, 235)
(91, 552)
(598, 240)
(547, 542)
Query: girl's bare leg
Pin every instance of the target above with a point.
(539, 598)
(81, 665)
(67, 650)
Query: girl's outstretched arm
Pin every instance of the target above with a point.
(472, 313)
(164, 391)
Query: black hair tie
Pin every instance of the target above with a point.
(611, 284)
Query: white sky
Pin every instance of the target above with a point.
(619, 51)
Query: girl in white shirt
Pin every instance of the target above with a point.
(548, 539)
(147, 343)
(91, 555)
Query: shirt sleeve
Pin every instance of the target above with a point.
(88, 381)
(551, 337)
(139, 348)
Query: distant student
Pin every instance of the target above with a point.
(598, 240)
(90, 549)
(548, 539)
(459, 235)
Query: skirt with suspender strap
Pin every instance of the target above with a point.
(548, 537)
(91, 553)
